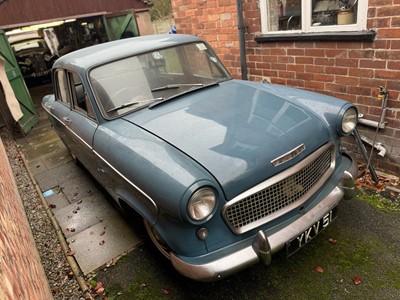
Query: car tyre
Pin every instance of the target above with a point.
(157, 240)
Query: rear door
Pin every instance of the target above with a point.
(61, 107)
(74, 116)
(30, 117)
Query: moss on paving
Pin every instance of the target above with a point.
(358, 251)
(376, 200)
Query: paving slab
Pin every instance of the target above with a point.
(102, 242)
(79, 187)
(59, 176)
(79, 216)
(56, 200)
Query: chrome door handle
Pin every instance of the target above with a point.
(66, 119)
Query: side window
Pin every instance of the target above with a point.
(80, 99)
(62, 87)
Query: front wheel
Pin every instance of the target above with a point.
(157, 240)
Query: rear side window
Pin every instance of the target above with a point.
(62, 87)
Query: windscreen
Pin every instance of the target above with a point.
(135, 82)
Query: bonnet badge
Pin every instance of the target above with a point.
(288, 155)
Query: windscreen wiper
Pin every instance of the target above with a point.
(175, 86)
(201, 86)
(134, 103)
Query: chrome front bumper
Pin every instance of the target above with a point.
(263, 247)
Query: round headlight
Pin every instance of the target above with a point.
(201, 204)
(349, 120)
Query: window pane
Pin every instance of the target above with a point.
(62, 86)
(332, 12)
(284, 15)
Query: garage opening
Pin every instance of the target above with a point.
(37, 47)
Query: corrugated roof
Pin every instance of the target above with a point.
(39, 11)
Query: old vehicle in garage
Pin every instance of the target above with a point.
(224, 172)
(34, 59)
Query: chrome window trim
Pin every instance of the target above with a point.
(275, 179)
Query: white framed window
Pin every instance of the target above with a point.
(312, 16)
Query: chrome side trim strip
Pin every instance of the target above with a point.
(153, 203)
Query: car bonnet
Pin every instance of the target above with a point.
(235, 130)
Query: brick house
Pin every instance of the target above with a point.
(347, 52)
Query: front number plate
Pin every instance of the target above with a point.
(298, 242)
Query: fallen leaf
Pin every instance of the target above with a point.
(98, 285)
(100, 291)
(165, 291)
(92, 283)
(101, 243)
(357, 280)
(143, 285)
(319, 269)
(332, 241)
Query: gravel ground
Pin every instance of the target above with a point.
(59, 274)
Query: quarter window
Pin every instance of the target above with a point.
(305, 16)
(62, 86)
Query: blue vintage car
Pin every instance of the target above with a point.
(224, 172)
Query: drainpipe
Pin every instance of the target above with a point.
(377, 146)
(242, 39)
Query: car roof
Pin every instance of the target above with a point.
(85, 58)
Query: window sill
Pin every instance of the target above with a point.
(368, 35)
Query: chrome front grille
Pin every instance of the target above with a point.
(281, 193)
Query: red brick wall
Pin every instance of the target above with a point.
(215, 21)
(348, 70)
(21, 272)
